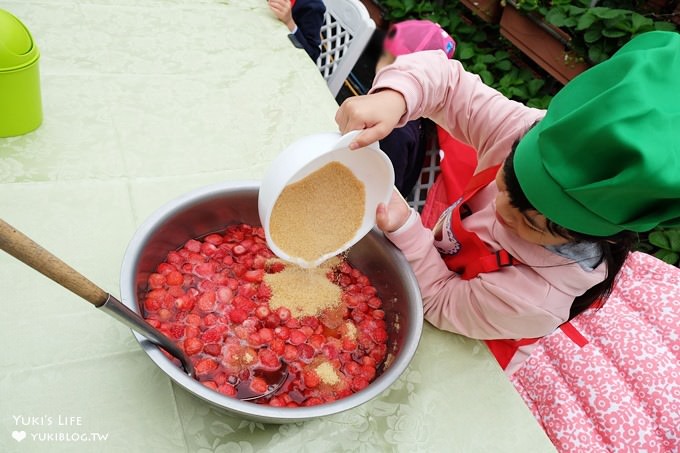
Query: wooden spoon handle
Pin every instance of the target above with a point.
(24, 249)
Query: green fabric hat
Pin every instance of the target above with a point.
(606, 157)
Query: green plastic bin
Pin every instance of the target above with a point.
(20, 100)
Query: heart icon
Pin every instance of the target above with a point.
(19, 435)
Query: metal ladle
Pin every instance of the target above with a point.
(26, 250)
(29, 252)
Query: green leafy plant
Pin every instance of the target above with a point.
(480, 50)
(663, 243)
(596, 31)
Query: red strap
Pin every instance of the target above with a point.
(504, 350)
(573, 334)
(475, 258)
(472, 247)
(490, 263)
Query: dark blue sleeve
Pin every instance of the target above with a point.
(405, 146)
(309, 16)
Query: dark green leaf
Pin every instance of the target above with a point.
(556, 17)
(638, 22)
(503, 65)
(668, 256)
(673, 239)
(465, 52)
(592, 35)
(659, 239)
(487, 58)
(612, 33)
(585, 21)
(487, 77)
(596, 54)
(535, 85)
(607, 13)
(665, 26)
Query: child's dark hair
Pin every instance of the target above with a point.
(614, 248)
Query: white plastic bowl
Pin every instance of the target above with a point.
(369, 164)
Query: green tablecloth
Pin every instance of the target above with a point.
(143, 101)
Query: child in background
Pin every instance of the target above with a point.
(545, 224)
(406, 146)
(304, 19)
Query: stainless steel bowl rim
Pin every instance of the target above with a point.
(248, 409)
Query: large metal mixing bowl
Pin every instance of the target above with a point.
(211, 209)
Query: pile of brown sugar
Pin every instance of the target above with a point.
(327, 373)
(318, 214)
(305, 292)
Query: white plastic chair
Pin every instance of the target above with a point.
(345, 33)
(428, 174)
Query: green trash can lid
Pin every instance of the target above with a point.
(17, 48)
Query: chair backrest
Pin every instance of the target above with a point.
(345, 33)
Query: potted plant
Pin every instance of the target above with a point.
(547, 45)
(581, 32)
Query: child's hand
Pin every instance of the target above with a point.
(282, 11)
(377, 114)
(394, 215)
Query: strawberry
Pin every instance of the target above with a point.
(262, 311)
(176, 331)
(213, 335)
(311, 379)
(225, 294)
(156, 280)
(192, 346)
(205, 366)
(193, 245)
(237, 316)
(282, 332)
(227, 389)
(205, 270)
(268, 359)
(359, 383)
(239, 250)
(191, 331)
(305, 352)
(214, 239)
(283, 313)
(278, 346)
(174, 259)
(212, 349)
(297, 337)
(207, 301)
(164, 314)
(208, 249)
(313, 401)
(254, 276)
(266, 334)
(258, 385)
(264, 292)
(151, 304)
(317, 340)
(174, 278)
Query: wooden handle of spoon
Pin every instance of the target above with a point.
(24, 249)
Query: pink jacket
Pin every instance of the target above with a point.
(523, 301)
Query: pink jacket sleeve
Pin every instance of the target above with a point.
(472, 112)
(516, 302)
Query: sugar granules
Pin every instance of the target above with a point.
(318, 214)
(305, 292)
